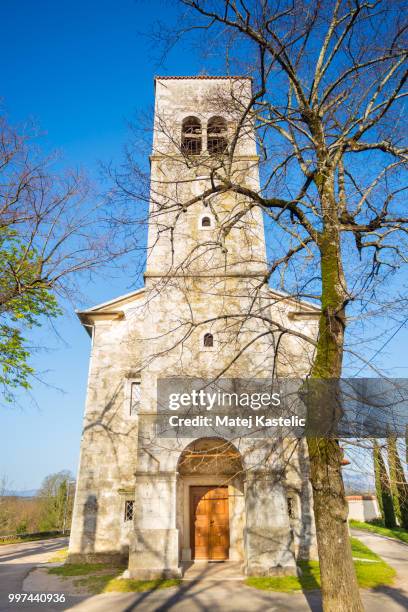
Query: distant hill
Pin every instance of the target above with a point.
(27, 493)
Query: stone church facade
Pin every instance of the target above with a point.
(204, 308)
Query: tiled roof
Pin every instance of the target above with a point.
(360, 497)
(200, 76)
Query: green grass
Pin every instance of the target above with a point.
(309, 580)
(104, 578)
(361, 551)
(370, 574)
(79, 569)
(397, 533)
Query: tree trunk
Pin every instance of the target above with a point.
(388, 508)
(338, 578)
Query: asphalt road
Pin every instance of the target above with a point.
(16, 560)
(197, 594)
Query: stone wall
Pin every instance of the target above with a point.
(363, 507)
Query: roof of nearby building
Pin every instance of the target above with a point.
(360, 497)
(110, 309)
(117, 300)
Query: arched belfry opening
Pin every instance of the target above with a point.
(211, 508)
(217, 136)
(191, 136)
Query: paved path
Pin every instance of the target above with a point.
(203, 591)
(203, 596)
(206, 593)
(16, 561)
(395, 553)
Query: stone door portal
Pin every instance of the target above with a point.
(209, 521)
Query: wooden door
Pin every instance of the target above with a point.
(209, 520)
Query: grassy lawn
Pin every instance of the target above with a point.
(397, 533)
(361, 551)
(370, 573)
(309, 580)
(104, 578)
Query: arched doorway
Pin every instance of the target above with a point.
(210, 509)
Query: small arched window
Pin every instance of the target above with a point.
(191, 139)
(208, 340)
(217, 136)
(206, 222)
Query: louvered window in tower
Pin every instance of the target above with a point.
(217, 136)
(191, 136)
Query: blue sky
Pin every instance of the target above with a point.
(80, 69)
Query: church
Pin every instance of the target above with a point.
(205, 311)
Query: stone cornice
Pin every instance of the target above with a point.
(303, 314)
(130, 492)
(163, 475)
(209, 275)
(199, 159)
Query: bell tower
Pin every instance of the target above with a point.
(206, 301)
(194, 228)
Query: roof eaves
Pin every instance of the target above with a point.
(292, 298)
(119, 299)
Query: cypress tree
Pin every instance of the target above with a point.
(392, 467)
(406, 444)
(377, 474)
(384, 489)
(398, 483)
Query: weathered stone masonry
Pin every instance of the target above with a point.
(195, 274)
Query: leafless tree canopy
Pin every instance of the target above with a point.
(53, 229)
(329, 88)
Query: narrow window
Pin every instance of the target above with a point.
(129, 510)
(135, 397)
(217, 136)
(208, 340)
(291, 507)
(191, 141)
(206, 222)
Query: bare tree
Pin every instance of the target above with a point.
(52, 229)
(329, 84)
(4, 510)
